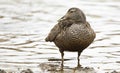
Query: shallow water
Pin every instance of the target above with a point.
(25, 23)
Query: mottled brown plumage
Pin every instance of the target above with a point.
(72, 33)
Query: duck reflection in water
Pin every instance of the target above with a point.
(72, 33)
(50, 67)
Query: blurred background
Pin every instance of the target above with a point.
(24, 24)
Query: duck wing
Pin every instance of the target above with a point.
(53, 33)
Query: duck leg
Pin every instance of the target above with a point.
(62, 56)
(78, 59)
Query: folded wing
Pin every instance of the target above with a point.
(53, 33)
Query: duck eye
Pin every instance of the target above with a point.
(71, 11)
